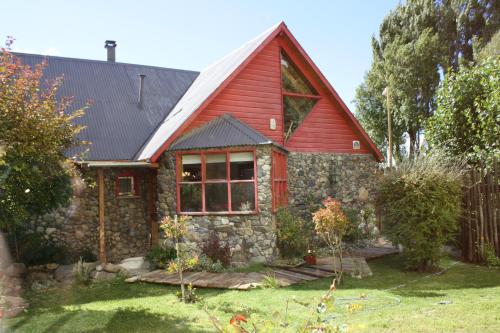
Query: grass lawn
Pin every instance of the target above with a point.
(471, 294)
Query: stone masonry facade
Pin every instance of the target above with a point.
(311, 178)
(350, 178)
(76, 226)
(251, 237)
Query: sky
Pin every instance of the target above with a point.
(193, 34)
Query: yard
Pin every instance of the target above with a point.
(464, 298)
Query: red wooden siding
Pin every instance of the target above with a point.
(325, 129)
(254, 96)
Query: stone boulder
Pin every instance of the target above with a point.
(16, 270)
(111, 268)
(64, 273)
(135, 266)
(103, 275)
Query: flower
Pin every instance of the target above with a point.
(237, 319)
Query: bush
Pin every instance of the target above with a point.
(208, 265)
(421, 203)
(82, 272)
(35, 249)
(159, 257)
(217, 252)
(292, 233)
(360, 225)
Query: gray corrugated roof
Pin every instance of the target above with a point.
(115, 125)
(224, 131)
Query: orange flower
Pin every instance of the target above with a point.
(237, 319)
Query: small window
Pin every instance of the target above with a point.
(126, 186)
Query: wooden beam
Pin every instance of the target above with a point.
(152, 206)
(102, 235)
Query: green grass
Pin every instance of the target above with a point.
(474, 293)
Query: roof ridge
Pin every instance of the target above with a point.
(241, 125)
(101, 61)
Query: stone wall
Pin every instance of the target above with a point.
(77, 225)
(250, 237)
(350, 178)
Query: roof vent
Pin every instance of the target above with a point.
(110, 45)
(141, 91)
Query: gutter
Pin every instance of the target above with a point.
(117, 164)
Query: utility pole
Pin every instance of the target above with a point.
(389, 126)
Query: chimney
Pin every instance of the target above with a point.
(141, 90)
(110, 45)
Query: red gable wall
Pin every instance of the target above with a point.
(254, 96)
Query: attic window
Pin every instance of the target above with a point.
(299, 97)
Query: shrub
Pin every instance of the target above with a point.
(490, 256)
(331, 224)
(82, 272)
(159, 257)
(292, 233)
(217, 252)
(421, 202)
(206, 264)
(35, 249)
(360, 227)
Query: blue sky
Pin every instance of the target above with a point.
(193, 34)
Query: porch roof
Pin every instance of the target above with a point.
(223, 131)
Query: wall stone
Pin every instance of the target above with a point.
(250, 237)
(76, 226)
(350, 178)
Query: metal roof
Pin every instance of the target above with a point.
(115, 125)
(223, 131)
(205, 84)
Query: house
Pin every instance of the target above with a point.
(260, 129)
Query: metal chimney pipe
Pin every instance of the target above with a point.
(141, 91)
(110, 45)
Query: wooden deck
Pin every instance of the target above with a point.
(354, 263)
(244, 281)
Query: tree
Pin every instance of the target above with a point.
(418, 42)
(467, 120)
(331, 224)
(176, 228)
(36, 129)
(406, 56)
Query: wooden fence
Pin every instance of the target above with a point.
(480, 220)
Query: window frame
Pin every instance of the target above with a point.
(279, 183)
(135, 185)
(285, 93)
(204, 181)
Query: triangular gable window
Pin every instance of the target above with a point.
(299, 97)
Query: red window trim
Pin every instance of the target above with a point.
(228, 180)
(280, 199)
(136, 184)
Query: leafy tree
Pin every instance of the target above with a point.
(467, 121)
(418, 42)
(36, 129)
(406, 56)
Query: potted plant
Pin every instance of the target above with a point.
(310, 257)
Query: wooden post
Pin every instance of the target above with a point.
(102, 235)
(152, 206)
